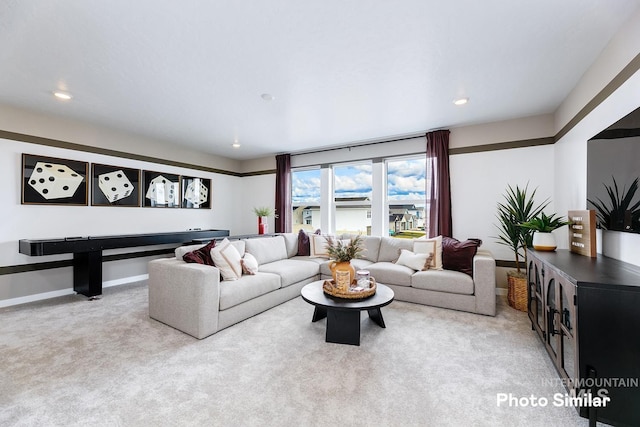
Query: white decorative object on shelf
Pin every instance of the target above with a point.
(115, 185)
(54, 181)
(162, 191)
(197, 193)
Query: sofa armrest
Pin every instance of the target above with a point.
(484, 282)
(185, 296)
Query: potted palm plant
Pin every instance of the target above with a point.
(542, 227)
(518, 207)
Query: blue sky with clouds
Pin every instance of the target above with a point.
(405, 180)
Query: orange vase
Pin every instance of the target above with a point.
(342, 266)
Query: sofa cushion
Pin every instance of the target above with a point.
(247, 288)
(390, 248)
(228, 260)
(291, 271)
(291, 244)
(201, 255)
(389, 273)
(414, 261)
(443, 281)
(430, 246)
(249, 264)
(371, 245)
(267, 249)
(458, 256)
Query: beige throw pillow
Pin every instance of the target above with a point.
(318, 246)
(249, 264)
(413, 260)
(227, 258)
(433, 246)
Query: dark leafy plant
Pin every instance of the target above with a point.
(620, 213)
(518, 207)
(342, 251)
(544, 223)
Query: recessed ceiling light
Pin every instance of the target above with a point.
(461, 101)
(62, 95)
(236, 144)
(267, 97)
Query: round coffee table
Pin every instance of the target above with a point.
(343, 315)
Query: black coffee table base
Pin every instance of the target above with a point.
(343, 327)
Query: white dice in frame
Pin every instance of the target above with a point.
(196, 193)
(54, 180)
(162, 191)
(115, 185)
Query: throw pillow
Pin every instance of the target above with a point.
(227, 258)
(318, 247)
(413, 260)
(430, 246)
(458, 255)
(304, 242)
(202, 255)
(249, 264)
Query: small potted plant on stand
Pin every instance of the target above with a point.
(542, 227)
(263, 213)
(518, 208)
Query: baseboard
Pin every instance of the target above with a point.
(501, 291)
(64, 292)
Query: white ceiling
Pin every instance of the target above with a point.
(192, 72)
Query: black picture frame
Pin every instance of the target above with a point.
(121, 178)
(196, 192)
(161, 190)
(53, 181)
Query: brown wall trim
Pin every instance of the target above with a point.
(256, 173)
(624, 75)
(24, 268)
(502, 146)
(96, 150)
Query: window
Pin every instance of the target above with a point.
(352, 198)
(305, 199)
(406, 197)
(353, 204)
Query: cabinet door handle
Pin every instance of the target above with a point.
(551, 322)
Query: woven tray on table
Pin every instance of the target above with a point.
(329, 287)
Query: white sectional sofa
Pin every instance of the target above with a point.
(193, 299)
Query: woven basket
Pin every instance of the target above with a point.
(517, 292)
(329, 287)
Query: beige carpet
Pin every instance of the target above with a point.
(68, 362)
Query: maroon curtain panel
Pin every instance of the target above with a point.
(439, 192)
(283, 193)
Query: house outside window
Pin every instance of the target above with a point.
(406, 197)
(305, 199)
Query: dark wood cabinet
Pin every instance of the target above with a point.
(587, 313)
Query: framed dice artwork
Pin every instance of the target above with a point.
(196, 192)
(160, 190)
(114, 186)
(54, 181)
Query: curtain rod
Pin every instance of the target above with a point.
(363, 144)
